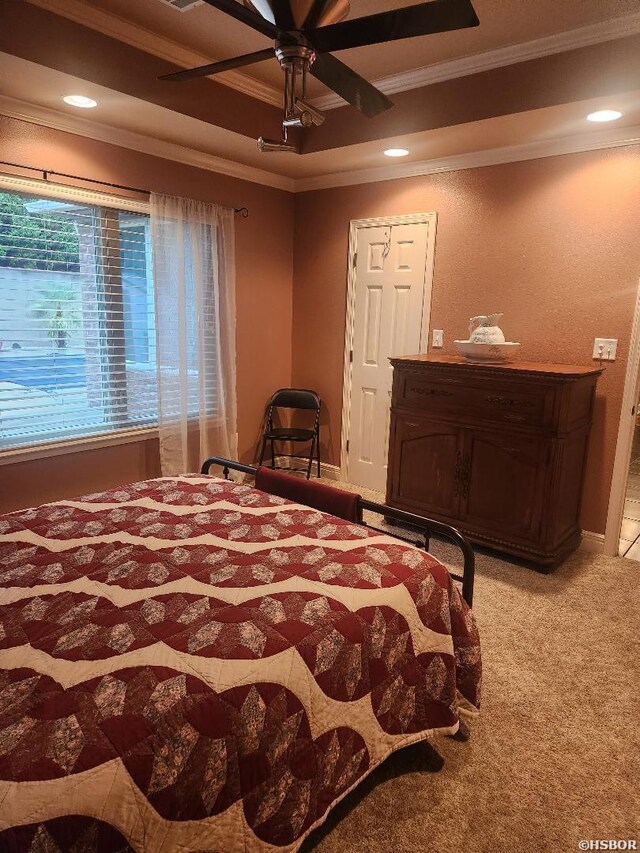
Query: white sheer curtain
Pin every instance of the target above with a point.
(194, 276)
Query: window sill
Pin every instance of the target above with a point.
(31, 452)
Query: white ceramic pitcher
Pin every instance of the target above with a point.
(485, 330)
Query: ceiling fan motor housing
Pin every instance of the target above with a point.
(296, 12)
(295, 55)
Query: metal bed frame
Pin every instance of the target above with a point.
(426, 527)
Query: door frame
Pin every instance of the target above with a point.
(624, 443)
(430, 219)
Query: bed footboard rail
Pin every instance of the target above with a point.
(425, 527)
(428, 527)
(227, 465)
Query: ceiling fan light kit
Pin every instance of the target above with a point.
(306, 32)
(265, 145)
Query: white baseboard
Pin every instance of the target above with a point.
(593, 543)
(331, 472)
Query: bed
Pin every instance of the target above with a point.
(191, 664)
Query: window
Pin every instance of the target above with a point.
(77, 318)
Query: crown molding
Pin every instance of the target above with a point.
(134, 35)
(475, 159)
(615, 28)
(592, 141)
(47, 117)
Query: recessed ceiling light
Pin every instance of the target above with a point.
(80, 101)
(604, 115)
(396, 152)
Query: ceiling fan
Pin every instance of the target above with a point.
(304, 34)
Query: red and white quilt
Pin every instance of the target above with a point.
(189, 664)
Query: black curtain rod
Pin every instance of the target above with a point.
(243, 211)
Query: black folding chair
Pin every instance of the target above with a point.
(293, 399)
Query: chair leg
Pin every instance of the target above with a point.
(273, 456)
(312, 451)
(262, 451)
(318, 449)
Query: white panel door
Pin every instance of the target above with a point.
(390, 277)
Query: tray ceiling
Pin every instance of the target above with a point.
(513, 92)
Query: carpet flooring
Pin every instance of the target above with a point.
(554, 757)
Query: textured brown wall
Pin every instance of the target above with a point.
(553, 243)
(264, 256)
(56, 477)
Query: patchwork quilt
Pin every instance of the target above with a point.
(189, 664)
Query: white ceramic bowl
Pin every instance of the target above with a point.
(487, 352)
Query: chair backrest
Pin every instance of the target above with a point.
(295, 398)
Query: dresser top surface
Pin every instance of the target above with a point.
(513, 367)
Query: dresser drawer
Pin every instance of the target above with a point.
(509, 402)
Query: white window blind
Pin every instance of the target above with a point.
(77, 319)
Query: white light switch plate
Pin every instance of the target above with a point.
(605, 349)
(437, 338)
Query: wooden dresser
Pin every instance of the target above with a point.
(497, 450)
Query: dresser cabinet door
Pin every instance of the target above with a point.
(425, 466)
(504, 479)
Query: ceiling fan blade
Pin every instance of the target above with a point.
(246, 16)
(349, 85)
(436, 16)
(283, 15)
(217, 67)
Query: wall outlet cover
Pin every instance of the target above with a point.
(605, 349)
